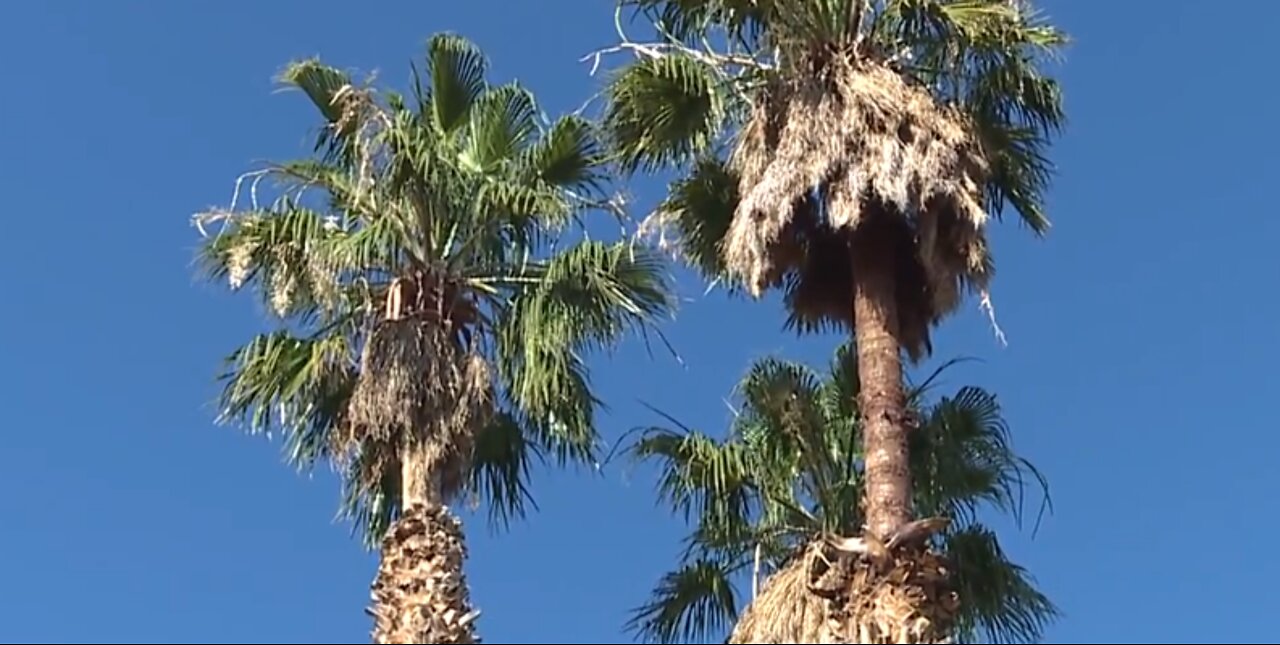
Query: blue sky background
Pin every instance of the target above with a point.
(1139, 374)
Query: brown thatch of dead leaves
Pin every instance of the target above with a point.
(422, 393)
(820, 597)
(420, 594)
(824, 155)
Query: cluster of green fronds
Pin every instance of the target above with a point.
(459, 180)
(789, 471)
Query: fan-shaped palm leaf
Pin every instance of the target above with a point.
(458, 69)
(665, 110)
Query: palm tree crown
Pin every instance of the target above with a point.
(797, 121)
(443, 208)
(789, 474)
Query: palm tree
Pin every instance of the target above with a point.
(783, 487)
(432, 331)
(849, 153)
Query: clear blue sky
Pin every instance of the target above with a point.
(1139, 374)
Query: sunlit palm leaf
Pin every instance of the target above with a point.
(299, 386)
(567, 156)
(687, 19)
(502, 121)
(839, 393)
(323, 85)
(288, 252)
(784, 395)
(664, 110)
(457, 75)
(299, 260)
(706, 480)
(514, 213)
(585, 298)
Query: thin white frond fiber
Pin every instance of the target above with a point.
(240, 260)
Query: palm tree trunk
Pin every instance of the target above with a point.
(883, 402)
(902, 595)
(418, 484)
(420, 594)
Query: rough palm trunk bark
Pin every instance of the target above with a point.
(883, 402)
(902, 595)
(420, 594)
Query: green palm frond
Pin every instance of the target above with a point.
(784, 396)
(585, 298)
(500, 467)
(334, 180)
(288, 252)
(694, 602)
(665, 110)
(568, 156)
(961, 459)
(328, 88)
(457, 71)
(299, 386)
(502, 121)
(513, 214)
(1000, 599)
(793, 24)
(371, 493)
(300, 261)
(839, 395)
(701, 206)
(704, 479)
(691, 19)
(737, 538)
(320, 82)
(596, 292)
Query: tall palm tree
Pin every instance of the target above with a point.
(849, 153)
(432, 330)
(783, 487)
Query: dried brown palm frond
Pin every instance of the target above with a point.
(822, 597)
(868, 143)
(420, 390)
(787, 610)
(812, 259)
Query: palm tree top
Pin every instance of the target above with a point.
(787, 476)
(795, 119)
(449, 206)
